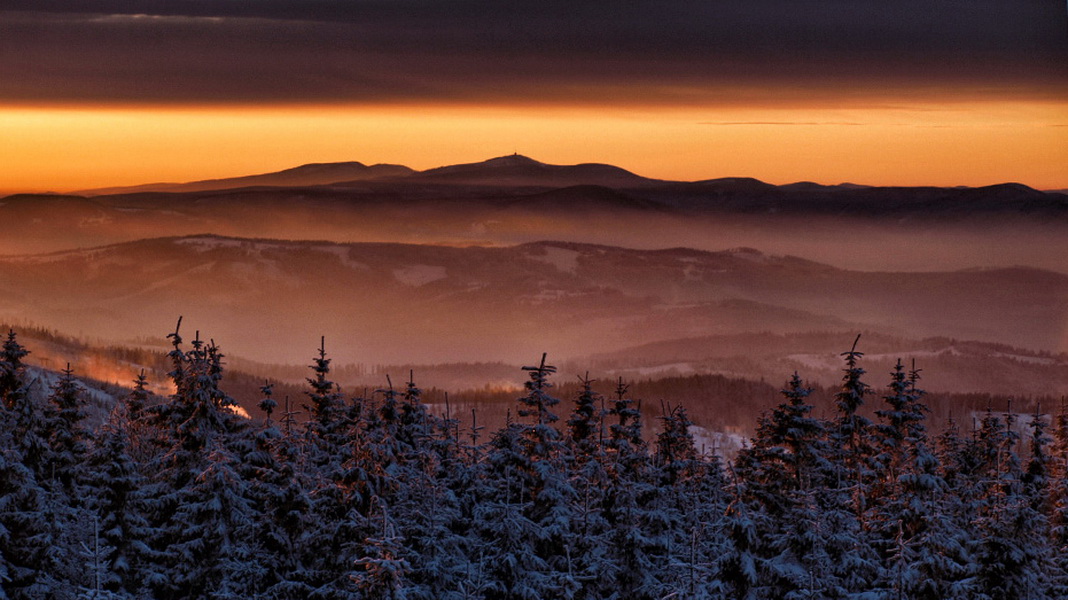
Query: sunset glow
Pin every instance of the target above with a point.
(965, 143)
(115, 93)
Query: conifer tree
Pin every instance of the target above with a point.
(913, 526)
(426, 510)
(280, 493)
(138, 398)
(12, 372)
(68, 439)
(627, 430)
(675, 451)
(1058, 503)
(584, 426)
(842, 508)
(740, 565)
(417, 425)
(851, 433)
(267, 403)
(25, 530)
(116, 489)
(551, 494)
(212, 551)
(27, 419)
(626, 448)
(199, 504)
(628, 500)
(326, 411)
(590, 480)
(384, 570)
(198, 418)
(542, 438)
(1009, 554)
(508, 565)
(785, 471)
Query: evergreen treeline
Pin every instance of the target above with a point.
(375, 497)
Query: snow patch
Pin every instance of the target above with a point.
(952, 351)
(1037, 360)
(551, 295)
(563, 259)
(816, 362)
(93, 221)
(723, 444)
(420, 275)
(679, 368)
(343, 254)
(57, 256)
(828, 362)
(204, 244)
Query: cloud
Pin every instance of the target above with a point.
(682, 52)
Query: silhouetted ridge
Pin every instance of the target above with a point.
(524, 171)
(311, 174)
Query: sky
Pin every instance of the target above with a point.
(912, 92)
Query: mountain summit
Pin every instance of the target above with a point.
(519, 170)
(512, 160)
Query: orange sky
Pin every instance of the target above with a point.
(114, 92)
(961, 143)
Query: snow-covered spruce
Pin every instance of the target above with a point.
(377, 498)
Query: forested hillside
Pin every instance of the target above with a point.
(377, 496)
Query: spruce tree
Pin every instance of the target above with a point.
(507, 565)
(914, 528)
(199, 504)
(1009, 553)
(138, 398)
(629, 504)
(786, 471)
(68, 439)
(116, 490)
(584, 425)
(1058, 502)
(25, 529)
(326, 411)
(12, 372)
(843, 505)
(551, 494)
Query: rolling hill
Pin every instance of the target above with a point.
(270, 300)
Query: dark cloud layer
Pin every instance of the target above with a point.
(479, 50)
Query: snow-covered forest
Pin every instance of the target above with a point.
(378, 497)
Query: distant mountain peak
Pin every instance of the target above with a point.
(519, 170)
(512, 160)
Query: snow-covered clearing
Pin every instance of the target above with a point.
(563, 259)
(420, 275)
(343, 254)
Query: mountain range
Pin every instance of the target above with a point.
(514, 170)
(514, 199)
